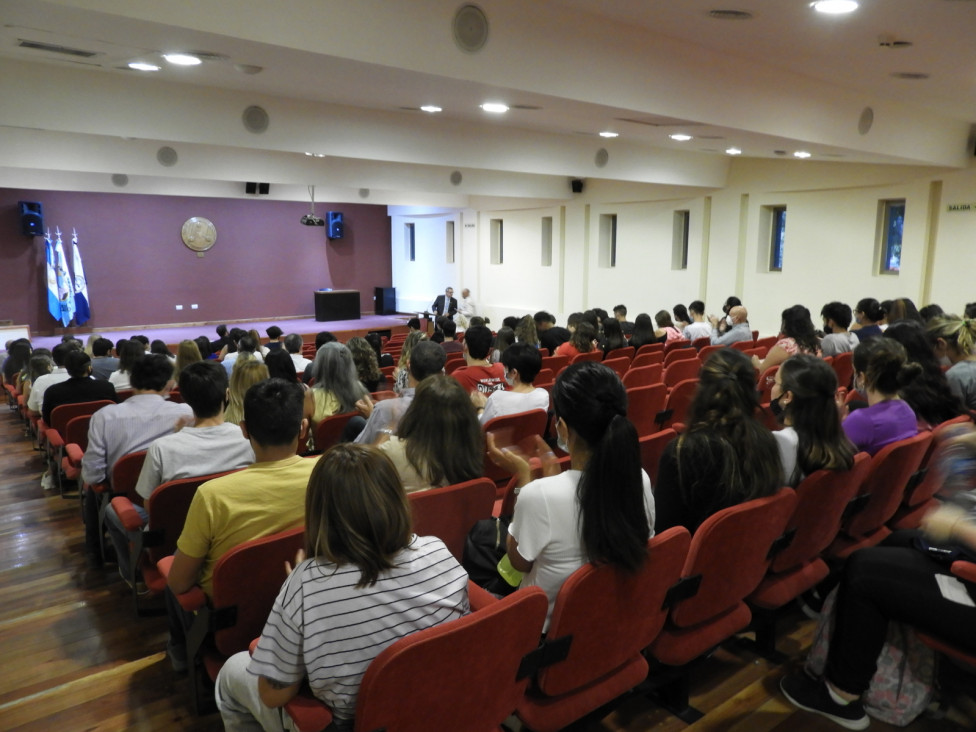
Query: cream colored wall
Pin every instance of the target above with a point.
(830, 253)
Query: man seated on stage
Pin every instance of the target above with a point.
(445, 304)
(426, 359)
(293, 344)
(466, 309)
(120, 429)
(207, 445)
(103, 362)
(479, 374)
(263, 499)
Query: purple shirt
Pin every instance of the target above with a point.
(872, 428)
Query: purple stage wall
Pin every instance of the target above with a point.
(264, 264)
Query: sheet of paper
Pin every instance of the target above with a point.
(953, 590)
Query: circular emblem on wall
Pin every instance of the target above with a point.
(199, 234)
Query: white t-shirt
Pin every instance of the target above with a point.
(697, 330)
(120, 380)
(36, 399)
(502, 403)
(546, 527)
(787, 440)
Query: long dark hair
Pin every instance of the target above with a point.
(643, 331)
(583, 337)
(798, 326)
(723, 417)
(614, 335)
(590, 398)
(441, 407)
(813, 414)
(927, 392)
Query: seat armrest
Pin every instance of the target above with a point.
(127, 513)
(74, 453)
(964, 570)
(478, 597)
(191, 600)
(54, 439)
(308, 713)
(252, 645)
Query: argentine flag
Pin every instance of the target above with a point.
(66, 297)
(82, 310)
(53, 306)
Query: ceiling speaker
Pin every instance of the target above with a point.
(167, 157)
(866, 121)
(470, 28)
(120, 180)
(601, 158)
(456, 178)
(255, 119)
(364, 192)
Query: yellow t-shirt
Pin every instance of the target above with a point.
(259, 500)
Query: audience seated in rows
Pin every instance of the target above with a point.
(797, 335)
(739, 330)
(666, 331)
(245, 375)
(583, 340)
(836, 321)
(479, 374)
(293, 345)
(35, 402)
(697, 328)
(402, 373)
(954, 340)
(868, 316)
(186, 353)
(522, 363)
(927, 392)
(367, 367)
(336, 389)
(620, 315)
(129, 352)
(103, 362)
(525, 332)
(551, 336)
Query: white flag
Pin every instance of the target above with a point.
(66, 294)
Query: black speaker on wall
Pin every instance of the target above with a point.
(333, 222)
(31, 218)
(576, 185)
(260, 188)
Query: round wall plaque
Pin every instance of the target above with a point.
(199, 234)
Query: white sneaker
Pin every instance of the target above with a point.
(47, 482)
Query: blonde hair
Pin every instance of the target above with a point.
(246, 373)
(186, 353)
(412, 340)
(958, 333)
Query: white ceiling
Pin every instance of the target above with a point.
(336, 76)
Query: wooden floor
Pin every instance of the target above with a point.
(75, 657)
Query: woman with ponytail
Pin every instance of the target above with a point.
(955, 340)
(726, 456)
(811, 438)
(880, 369)
(602, 509)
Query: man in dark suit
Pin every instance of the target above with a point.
(445, 304)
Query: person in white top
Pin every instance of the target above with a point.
(697, 328)
(836, 320)
(561, 521)
(293, 344)
(466, 309)
(522, 363)
(36, 399)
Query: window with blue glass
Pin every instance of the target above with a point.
(777, 237)
(892, 227)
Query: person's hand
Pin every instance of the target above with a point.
(713, 320)
(547, 458)
(479, 399)
(756, 363)
(939, 524)
(365, 406)
(299, 558)
(509, 459)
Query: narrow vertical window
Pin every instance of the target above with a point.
(547, 241)
(497, 241)
(410, 242)
(777, 237)
(608, 240)
(892, 220)
(679, 240)
(449, 241)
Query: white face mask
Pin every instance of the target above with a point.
(509, 379)
(728, 320)
(560, 442)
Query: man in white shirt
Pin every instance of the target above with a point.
(466, 309)
(36, 399)
(293, 344)
(697, 328)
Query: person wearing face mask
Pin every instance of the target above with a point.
(522, 363)
(740, 330)
(602, 509)
(836, 320)
(803, 402)
(727, 322)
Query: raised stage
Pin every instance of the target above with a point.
(306, 327)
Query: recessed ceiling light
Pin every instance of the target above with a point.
(182, 59)
(834, 7)
(681, 137)
(801, 154)
(608, 133)
(733, 151)
(142, 66)
(495, 107)
(431, 108)
(910, 75)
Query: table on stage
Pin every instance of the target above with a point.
(336, 305)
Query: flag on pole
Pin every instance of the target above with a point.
(82, 310)
(53, 306)
(66, 297)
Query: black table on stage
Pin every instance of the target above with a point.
(336, 305)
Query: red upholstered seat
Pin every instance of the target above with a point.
(512, 429)
(606, 616)
(677, 404)
(652, 447)
(680, 353)
(650, 348)
(594, 355)
(678, 344)
(648, 359)
(643, 375)
(620, 364)
(329, 430)
(765, 384)
(75, 444)
(681, 371)
(643, 405)
(843, 366)
(449, 512)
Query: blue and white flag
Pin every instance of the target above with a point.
(53, 306)
(82, 310)
(66, 295)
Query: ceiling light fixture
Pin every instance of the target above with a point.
(803, 154)
(143, 66)
(182, 59)
(608, 133)
(681, 137)
(733, 151)
(431, 109)
(834, 7)
(494, 107)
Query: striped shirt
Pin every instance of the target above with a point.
(324, 627)
(120, 429)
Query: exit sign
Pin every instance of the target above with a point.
(956, 207)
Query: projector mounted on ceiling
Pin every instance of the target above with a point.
(310, 219)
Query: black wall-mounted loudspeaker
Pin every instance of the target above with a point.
(261, 188)
(31, 218)
(264, 188)
(576, 185)
(334, 225)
